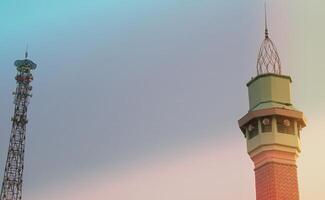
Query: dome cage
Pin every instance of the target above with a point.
(268, 60)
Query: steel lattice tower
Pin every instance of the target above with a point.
(13, 176)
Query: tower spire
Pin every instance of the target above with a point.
(268, 60)
(266, 27)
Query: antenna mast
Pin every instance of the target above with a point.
(26, 52)
(13, 176)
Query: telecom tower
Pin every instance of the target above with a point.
(13, 176)
(272, 128)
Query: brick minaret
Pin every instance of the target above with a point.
(272, 128)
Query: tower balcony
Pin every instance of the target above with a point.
(272, 123)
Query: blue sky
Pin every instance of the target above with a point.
(120, 79)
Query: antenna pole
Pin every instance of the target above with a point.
(26, 52)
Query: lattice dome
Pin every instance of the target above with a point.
(268, 60)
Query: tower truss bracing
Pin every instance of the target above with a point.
(13, 176)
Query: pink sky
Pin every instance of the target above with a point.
(205, 172)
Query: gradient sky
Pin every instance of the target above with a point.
(139, 99)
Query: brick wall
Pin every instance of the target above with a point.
(275, 181)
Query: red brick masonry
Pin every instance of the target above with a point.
(276, 181)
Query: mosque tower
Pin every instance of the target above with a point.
(272, 127)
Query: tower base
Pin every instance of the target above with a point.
(276, 176)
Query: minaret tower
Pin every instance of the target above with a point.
(13, 176)
(272, 127)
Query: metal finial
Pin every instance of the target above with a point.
(268, 60)
(266, 27)
(26, 52)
